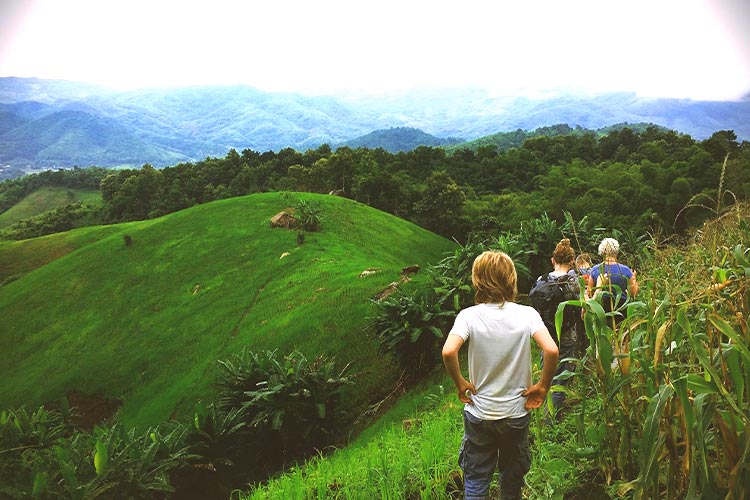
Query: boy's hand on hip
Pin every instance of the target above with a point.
(535, 396)
(465, 390)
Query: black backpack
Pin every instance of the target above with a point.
(546, 295)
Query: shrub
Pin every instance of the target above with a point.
(309, 214)
(42, 456)
(411, 324)
(292, 400)
(26, 443)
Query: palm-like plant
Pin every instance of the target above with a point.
(410, 326)
(520, 248)
(291, 396)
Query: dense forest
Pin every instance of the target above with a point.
(643, 181)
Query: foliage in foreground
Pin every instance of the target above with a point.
(43, 456)
(663, 405)
(677, 418)
(411, 453)
(271, 409)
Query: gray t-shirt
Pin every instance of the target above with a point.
(499, 342)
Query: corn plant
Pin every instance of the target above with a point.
(674, 376)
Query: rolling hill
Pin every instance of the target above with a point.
(145, 323)
(47, 198)
(398, 139)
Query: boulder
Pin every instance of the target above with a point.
(414, 269)
(284, 219)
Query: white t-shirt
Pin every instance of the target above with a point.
(499, 340)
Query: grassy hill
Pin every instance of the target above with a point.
(45, 199)
(145, 323)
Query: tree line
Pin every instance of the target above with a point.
(639, 180)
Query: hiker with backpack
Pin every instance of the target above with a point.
(613, 285)
(548, 292)
(614, 282)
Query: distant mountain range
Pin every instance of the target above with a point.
(58, 124)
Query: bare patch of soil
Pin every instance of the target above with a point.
(588, 491)
(90, 410)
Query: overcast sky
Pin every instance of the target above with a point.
(697, 49)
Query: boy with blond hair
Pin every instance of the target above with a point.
(499, 393)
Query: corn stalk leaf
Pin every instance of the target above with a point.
(702, 421)
(739, 343)
(652, 439)
(739, 476)
(732, 358)
(660, 333)
(688, 422)
(703, 357)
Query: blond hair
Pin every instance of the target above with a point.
(609, 247)
(494, 278)
(583, 260)
(564, 253)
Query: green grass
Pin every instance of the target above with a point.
(146, 323)
(411, 452)
(18, 258)
(47, 198)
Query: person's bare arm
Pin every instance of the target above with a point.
(590, 285)
(633, 285)
(536, 393)
(452, 365)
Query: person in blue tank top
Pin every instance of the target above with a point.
(614, 281)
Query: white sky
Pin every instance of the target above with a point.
(697, 49)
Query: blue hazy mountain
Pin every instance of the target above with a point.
(49, 123)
